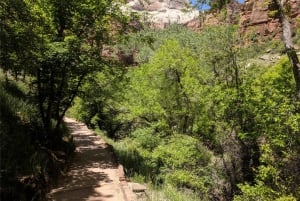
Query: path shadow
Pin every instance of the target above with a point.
(82, 195)
(88, 170)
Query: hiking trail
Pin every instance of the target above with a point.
(94, 173)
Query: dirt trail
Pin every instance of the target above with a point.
(94, 173)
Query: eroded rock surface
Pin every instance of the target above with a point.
(161, 13)
(256, 18)
(260, 17)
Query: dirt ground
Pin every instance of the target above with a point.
(94, 173)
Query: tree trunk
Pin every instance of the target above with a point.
(288, 43)
(68, 105)
(41, 96)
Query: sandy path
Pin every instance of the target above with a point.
(94, 173)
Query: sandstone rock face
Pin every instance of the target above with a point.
(193, 24)
(259, 13)
(260, 18)
(161, 13)
(255, 17)
(233, 11)
(295, 8)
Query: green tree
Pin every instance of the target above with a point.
(20, 39)
(288, 43)
(57, 43)
(276, 125)
(81, 29)
(100, 98)
(168, 88)
(62, 71)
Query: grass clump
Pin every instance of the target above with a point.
(171, 165)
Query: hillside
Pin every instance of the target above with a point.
(254, 17)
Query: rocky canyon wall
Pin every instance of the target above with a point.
(261, 19)
(256, 18)
(161, 13)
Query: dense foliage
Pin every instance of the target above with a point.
(47, 49)
(192, 114)
(195, 115)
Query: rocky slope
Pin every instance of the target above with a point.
(256, 18)
(261, 18)
(161, 13)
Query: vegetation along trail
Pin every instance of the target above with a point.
(94, 173)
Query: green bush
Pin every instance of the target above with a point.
(168, 192)
(176, 160)
(258, 192)
(146, 138)
(135, 159)
(186, 178)
(261, 192)
(181, 152)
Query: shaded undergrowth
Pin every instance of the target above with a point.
(28, 166)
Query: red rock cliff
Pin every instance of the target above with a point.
(259, 17)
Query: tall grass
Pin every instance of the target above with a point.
(168, 192)
(142, 168)
(15, 114)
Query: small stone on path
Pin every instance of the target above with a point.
(137, 188)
